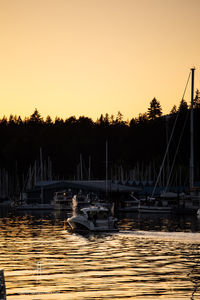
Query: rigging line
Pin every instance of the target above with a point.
(180, 138)
(167, 149)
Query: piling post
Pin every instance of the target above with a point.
(2, 286)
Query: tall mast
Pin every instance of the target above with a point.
(106, 169)
(192, 132)
(41, 166)
(81, 166)
(42, 175)
(89, 171)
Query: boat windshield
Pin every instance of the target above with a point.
(98, 215)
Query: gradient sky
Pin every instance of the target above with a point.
(87, 57)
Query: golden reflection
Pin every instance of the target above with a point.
(41, 260)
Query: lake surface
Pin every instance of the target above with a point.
(152, 257)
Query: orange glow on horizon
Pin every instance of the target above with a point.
(87, 58)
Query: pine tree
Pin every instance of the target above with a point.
(197, 100)
(183, 107)
(36, 117)
(173, 110)
(155, 110)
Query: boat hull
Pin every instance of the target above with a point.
(34, 207)
(65, 207)
(128, 209)
(154, 209)
(85, 225)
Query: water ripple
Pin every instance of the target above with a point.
(41, 260)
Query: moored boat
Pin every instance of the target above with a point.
(187, 203)
(26, 203)
(130, 204)
(62, 200)
(34, 206)
(5, 202)
(152, 205)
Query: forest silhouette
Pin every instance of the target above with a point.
(138, 143)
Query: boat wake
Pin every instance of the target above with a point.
(186, 237)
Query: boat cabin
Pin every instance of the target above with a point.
(97, 213)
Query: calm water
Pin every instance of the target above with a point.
(152, 257)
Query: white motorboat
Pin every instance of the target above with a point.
(93, 218)
(62, 200)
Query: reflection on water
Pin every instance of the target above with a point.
(152, 257)
(160, 222)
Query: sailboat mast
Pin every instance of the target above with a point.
(106, 169)
(192, 132)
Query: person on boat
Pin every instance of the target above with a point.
(115, 222)
(112, 222)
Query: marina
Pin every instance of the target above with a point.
(99, 150)
(48, 194)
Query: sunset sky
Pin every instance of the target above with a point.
(87, 57)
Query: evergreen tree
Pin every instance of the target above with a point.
(183, 107)
(70, 121)
(36, 117)
(48, 120)
(119, 117)
(133, 122)
(197, 100)
(112, 121)
(4, 121)
(19, 121)
(155, 110)
(173, 110)
(103, 121)
(142, 118)
(11, 120)
(58, 121)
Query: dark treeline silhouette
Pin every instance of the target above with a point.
(142, 142)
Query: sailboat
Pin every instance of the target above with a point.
(180, 203)
(30, 199)
(191, 201)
